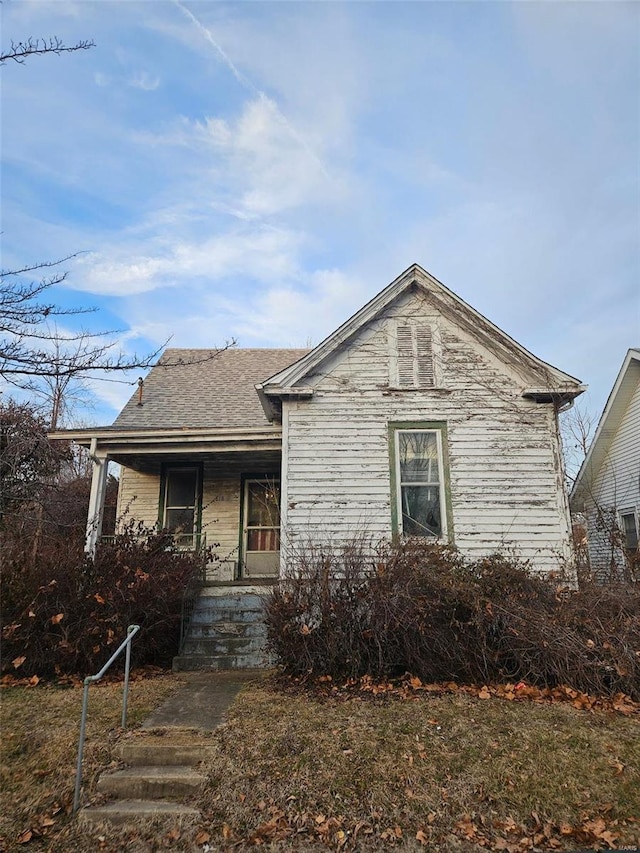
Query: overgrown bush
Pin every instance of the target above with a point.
(423, 609)
(65, 613)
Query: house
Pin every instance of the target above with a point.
(416, 417)
(607, 488)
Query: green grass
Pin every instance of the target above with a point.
(293, 772)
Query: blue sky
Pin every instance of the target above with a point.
(258, 171)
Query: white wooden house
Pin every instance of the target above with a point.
(417, 417)
(607, 488)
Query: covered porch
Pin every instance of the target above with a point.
(215, 489)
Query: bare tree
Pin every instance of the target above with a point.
(21, 50)
(27, 457)
(31, 349)
(33, 354)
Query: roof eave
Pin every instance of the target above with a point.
(84, 437)
(268, 394)
(559, 396)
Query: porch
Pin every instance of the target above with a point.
(215, 489)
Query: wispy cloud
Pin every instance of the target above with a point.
(299, 313)
(259, 170)
(144, 80)
(261, 254)
(244, 81)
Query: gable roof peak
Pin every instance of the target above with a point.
(552, 378)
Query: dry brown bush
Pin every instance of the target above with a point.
(64, 612)
(423, 609)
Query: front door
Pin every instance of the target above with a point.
(261, 534)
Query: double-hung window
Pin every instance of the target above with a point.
(629, 525)
(418, 481)
(181, 490)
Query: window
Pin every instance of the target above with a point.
(181, 504)
(418, 469)
(629, 525)
(413, 357)
(261, 526)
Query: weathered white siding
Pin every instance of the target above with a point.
(505, 467)
(616, 487)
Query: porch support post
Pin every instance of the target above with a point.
(100, 463)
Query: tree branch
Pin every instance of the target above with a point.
(21, 50)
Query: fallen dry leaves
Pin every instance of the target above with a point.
(42, 824)
(138, 674)
(282, 813)
(337, 832)
(409, 687)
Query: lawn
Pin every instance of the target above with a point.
(291, 771)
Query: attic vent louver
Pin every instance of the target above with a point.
(414, 356)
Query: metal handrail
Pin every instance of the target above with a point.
(132, 630)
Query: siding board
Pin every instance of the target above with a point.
(503, 450)
(616, 487)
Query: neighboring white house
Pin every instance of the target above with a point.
(416, 417)
(607, 488)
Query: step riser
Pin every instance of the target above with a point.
(226, 614)
(232, 602)
(131, 812)
(148, 789)
(195, 663)
(160, 755)
(223, 646)
(227, 629)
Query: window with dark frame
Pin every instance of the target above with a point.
(629, 524)
(181, 504)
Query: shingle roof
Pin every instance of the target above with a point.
(196, 392)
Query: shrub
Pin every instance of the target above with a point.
(423, 609)
(64, 612)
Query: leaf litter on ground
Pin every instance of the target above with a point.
(360, 766)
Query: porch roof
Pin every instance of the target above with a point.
(121, 444)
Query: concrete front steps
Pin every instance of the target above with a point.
(226, 630)
(159, 777)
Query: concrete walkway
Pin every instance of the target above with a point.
(203, 701)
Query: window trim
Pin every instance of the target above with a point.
(440, 428)
(635, 512)
(166, 469)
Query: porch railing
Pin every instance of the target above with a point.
(181, 541)
(132, 630)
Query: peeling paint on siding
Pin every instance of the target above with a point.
(505, 465)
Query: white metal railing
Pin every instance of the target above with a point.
(132, 630)
(180, 541)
